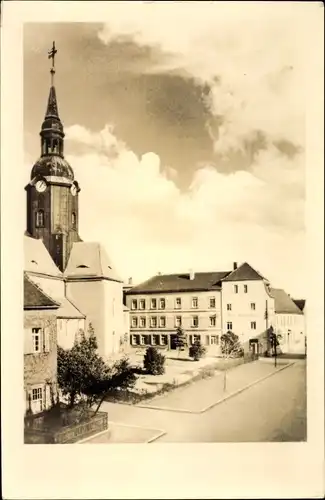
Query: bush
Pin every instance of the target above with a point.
(154, 361)
(197, 351)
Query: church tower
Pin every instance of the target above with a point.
(52, 193)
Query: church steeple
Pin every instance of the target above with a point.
(52, 129)
(52, 193)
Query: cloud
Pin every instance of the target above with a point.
(132, 205)
(251, 56)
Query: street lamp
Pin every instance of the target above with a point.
(289, 333)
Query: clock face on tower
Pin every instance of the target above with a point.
(73, 190)
(40, 186)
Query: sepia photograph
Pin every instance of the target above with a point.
(165, 289)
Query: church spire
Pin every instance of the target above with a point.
(52, 129)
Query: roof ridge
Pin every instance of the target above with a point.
(74, 305)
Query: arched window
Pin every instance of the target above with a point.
(39, 222)
(73, 219)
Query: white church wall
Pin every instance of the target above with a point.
(89, 297)
(68, 329)
(114, 317)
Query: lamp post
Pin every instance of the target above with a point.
(289, 333)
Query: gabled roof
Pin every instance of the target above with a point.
(180, 283)
(244, 273)
(89, 260)
(36, 298)
(300, 303)
(68, 310)
(37, 258)
(283, 304)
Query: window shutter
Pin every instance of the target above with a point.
(28, 341)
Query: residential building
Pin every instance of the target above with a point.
(247, 305)
(205, 305)
(166, 302)
(40, 347)
(289, 322)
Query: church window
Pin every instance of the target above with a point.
(40, 218)
(73, 219)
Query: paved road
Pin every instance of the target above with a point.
(273, 410)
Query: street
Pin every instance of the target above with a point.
(272, 410)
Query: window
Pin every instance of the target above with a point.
(212, 321)
(134, 322)
(196, 338)
(253, 325)
(195, 321)
(142, 304)
(212, 302)
(73, 219)
(245, 288)
(134, 304)
(153, 304)
(39, 218)
(142, 339)
(228, 307)
(178, 303)
(37, 394)
(153, 340)
(214, 340)
(134, 339)
(236, 288)
(253, 306)
(153, 322)
(162, 322)
(36, 334)
(163, 339)
(229, 325)
(194, 302)
(178, 321)
(162, 303)
(142, 322)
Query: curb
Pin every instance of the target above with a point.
(120, 424)
(92, 436)
(162, 433)
(246, 387)
(164, 408)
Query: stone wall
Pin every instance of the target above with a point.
(40, 368)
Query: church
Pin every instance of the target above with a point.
(68, 283)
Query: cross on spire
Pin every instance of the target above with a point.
(51, 55)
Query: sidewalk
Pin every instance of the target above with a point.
(201, 395)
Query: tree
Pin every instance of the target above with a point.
(154, 361)
(197, 350)
(273, 339)
(83, 376)
(180, 340)
(230, 348)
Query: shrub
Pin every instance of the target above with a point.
(197, 351)
(154, 361)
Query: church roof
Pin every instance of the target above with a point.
(180, 283)
(90, 260)
(38, 259)
(52, 166)
(68, 310)
(244, 273)
(283, 304)
(36, 298)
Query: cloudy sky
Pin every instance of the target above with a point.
(185, 128)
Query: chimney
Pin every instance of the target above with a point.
(130, 281)
(235, 266)
(159, 273)
(192, 274)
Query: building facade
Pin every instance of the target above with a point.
(204, 305)
(289, 323)
(40, 348)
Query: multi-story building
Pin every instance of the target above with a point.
(289, 322)
(165, 302)
(40, 347)
(204, 305)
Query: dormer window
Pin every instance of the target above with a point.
(83, 266)
(39, 218)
